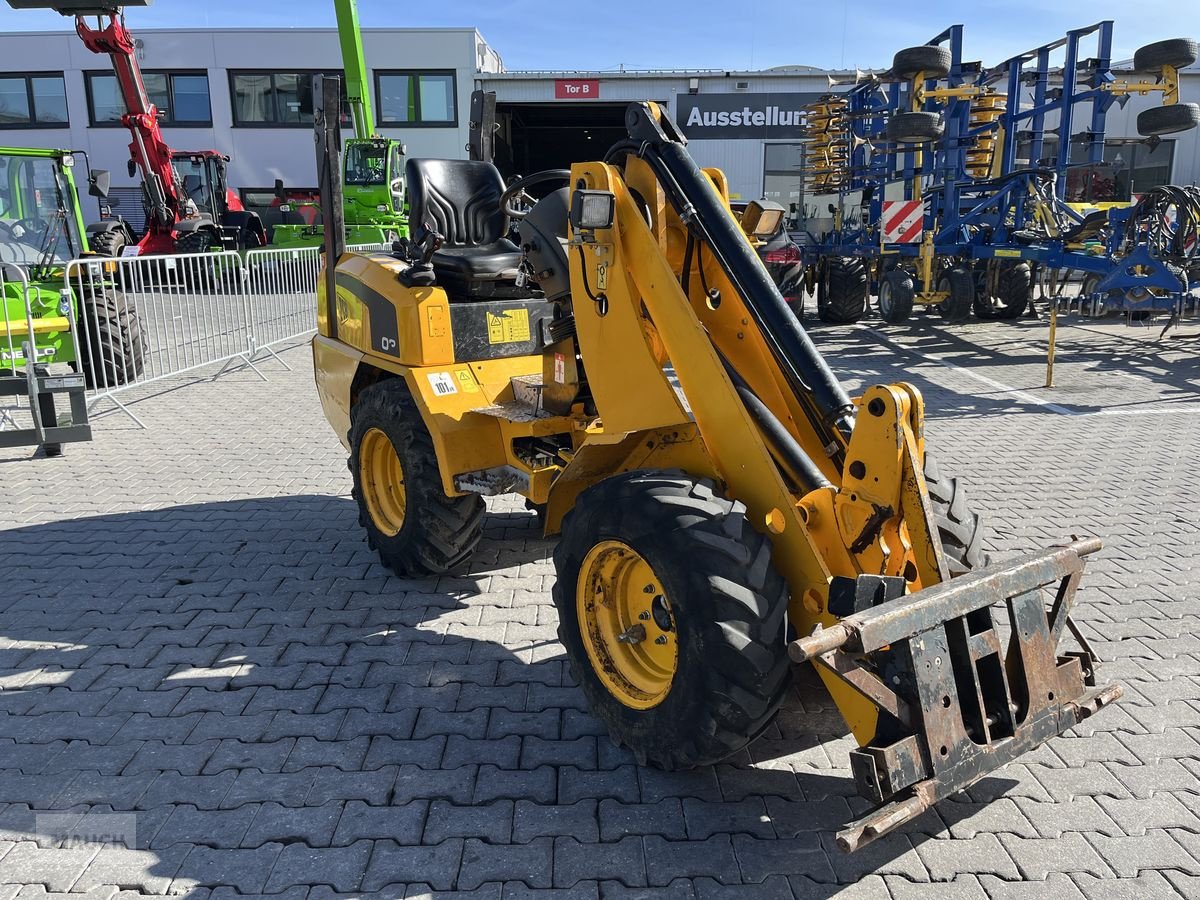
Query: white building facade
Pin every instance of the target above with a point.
(246, 93)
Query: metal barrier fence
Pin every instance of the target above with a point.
(147, 318)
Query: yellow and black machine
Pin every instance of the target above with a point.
(721, 503)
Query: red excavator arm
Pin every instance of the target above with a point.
(147, 149)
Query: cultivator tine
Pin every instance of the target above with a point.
(954, 703)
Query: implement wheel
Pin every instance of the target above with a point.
(960, 285)
(1178, 53)
(1014, 292)
(932, 62)
(1168, 119)
(915, 127)
(842, 293)
(410, 522)
(672, 616)
(896, 294)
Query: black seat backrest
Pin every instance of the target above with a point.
(457, 198)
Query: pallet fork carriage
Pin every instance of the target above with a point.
(634, 373)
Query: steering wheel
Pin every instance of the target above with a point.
(516, 190)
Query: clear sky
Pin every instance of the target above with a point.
(658, 34)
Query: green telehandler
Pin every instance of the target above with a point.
(46, 319)
(374, 201)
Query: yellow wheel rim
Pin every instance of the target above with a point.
(627, 625)
(382, 480)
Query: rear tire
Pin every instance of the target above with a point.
(896, 295)
(726, 610)
(842, 298)
(111, 351)
(432, 533)
(960, 285)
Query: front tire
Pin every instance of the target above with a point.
(410, 521)
(673, 617)
(111, 351)
(108, 243)
(959, 526)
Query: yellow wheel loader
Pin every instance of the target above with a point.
(721, 503)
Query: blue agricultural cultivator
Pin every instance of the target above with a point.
(943, 183)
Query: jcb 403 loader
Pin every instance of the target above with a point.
(707, 527)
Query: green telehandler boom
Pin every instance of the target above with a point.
(374, 201)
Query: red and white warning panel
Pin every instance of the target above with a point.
(902, 221)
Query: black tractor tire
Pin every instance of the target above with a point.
(199, 241)
(842, 295)
(960, 284)
(108, 243)
(195, 274)
(728, 607)
(896, 295)
(438, 532)
(1159, 120)
(933, 62)
(111, 350)
(1014, 290)
(960, 528)
(1178, 53)
(915, 127)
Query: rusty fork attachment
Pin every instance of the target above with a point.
(953, 705)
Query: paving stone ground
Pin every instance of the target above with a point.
(204, 670)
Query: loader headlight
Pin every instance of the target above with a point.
(761, 219)
(592, 209)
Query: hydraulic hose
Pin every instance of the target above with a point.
(797, 464)
(702, 211)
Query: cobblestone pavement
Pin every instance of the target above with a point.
(203, 665)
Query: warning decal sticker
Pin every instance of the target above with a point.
(510, 327)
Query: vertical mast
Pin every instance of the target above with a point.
(353, 61)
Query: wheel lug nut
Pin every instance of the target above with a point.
(661, 639)
(644, 615)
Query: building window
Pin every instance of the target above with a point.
(180, 97)
(277, 99)
(424, 99)
(1130, 168)
(783, 180)
(38, 100)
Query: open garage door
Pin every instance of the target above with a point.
(536, 136)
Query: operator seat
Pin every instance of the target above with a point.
(460, 200)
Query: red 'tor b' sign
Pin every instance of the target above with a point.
(576, 89)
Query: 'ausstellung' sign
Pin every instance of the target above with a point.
(745, 116)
